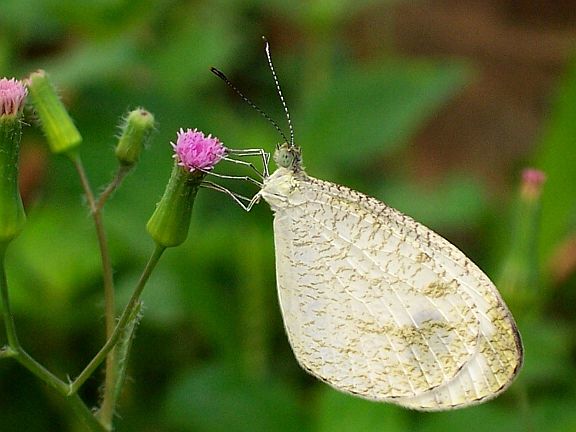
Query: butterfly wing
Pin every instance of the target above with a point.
(378, 305)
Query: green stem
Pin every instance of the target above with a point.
(75, 158)
(87, 416)
(7, 352)
(109, 301)
(110, 313)
(40, 371)
(525, 407)
(113, 185)
(122, 322)
(16, 351)
(13, 342)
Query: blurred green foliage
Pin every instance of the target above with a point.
(210, 353)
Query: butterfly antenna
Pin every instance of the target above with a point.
(279, 91)
(224, 78)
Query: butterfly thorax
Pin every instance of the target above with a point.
(280, 189)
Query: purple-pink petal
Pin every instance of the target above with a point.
(12, 95)
(195, 151)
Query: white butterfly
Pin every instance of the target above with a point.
(377, 305)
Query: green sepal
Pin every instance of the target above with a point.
(169, 223)
(12, 215)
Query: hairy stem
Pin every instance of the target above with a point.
(108, 281)
(122, 322)
(123, 170)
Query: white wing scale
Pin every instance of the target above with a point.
(378, 305)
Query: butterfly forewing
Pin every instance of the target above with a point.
(378, 305)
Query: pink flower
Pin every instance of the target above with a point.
(532, 182)
(12, 95)
(533, 177)
(194, 151)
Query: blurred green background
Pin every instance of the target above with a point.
(433, 107)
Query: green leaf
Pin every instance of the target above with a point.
(548, 350)
(318, 15)
(92, 62)
(338, 412)
(52, 258)
(457, 203)
(162, 298)
(486, 417)
(217, 398)
(557, 158)
(554, 414)
(365, 112)
(200, 41)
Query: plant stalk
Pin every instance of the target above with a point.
(108, 282)
(16, 351)
(122, 322)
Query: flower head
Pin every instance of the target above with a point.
(194, 151)
(532, 182)
(12, 95)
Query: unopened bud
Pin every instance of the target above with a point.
(56, 123)
(136, 129)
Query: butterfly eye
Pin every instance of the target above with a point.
(284, 156)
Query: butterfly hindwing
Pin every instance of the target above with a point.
(376, 304)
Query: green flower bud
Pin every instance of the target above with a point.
(57, 124)
(136, 129)
(169, 223)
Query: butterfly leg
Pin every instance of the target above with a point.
(242, 201)
(265, 156)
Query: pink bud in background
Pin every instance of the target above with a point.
(532, 182)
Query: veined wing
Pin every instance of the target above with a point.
(378, 305)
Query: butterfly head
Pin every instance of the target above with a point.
(288, 156)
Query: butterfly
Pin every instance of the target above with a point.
(379, 306)
(376, 304)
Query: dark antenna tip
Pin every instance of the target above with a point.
(218, 73)
(224, 78)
